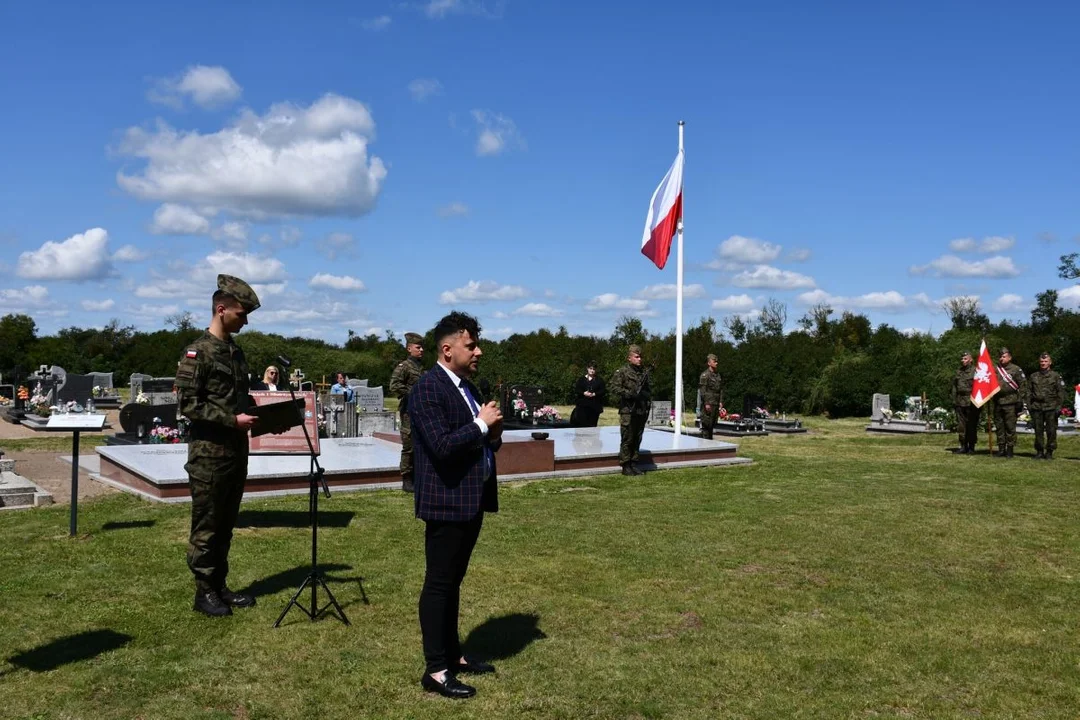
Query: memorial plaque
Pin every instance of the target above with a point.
(880, 402)
(292, 441)
(76, 421)
(369, 399)
(660, 413)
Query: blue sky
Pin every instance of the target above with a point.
(371, 165)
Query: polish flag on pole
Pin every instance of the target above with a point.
(986, 384)
(665, 212)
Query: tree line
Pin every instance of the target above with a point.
(829, 364)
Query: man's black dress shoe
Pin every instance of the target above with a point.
(475, 667)
(451, 687)
(234, 599)
(208, 603)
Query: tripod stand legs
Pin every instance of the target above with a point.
(315, 580)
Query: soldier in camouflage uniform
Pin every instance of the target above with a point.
(629, 388)
(967, 413)
(405, 375)
(212, 392)
(709, 387)
(1007, 402)
(1045, 396)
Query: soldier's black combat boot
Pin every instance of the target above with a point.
(208, 603)
(628, 469)
(1009, 452)
(407, 484)
(1039, 455)
(1049, 455)
(235, 599)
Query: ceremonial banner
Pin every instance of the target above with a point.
(986, 381)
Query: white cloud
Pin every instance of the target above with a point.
(612, 301)
(481, 292)
(423, 88)
(376, 24)
(81, 257)
(255, 269)
(496, 133)
(963, 244)
(436, 9)
(454, 209)
(667, 292)
(798, 255)
(291, 235)
(233, 234)
(440, 8)
(336, 244)
(1010, 303)
(30, 300)
(1069, 298)
(130, 253)
(157, 313)
(341, 283)
(172, 219)
(537, 310)
(991, 244)
(499, 315)
(952, 266)
(98, 305)
(885, 301)
(290, 161)
(734, 304)
(748, 251)
(206, 86)
(766, 276)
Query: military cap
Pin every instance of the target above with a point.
(1044, 355)
(1004, 351)
(965, 354)
(710, 356)
(240, 290)
(414, 339)
(634, 350)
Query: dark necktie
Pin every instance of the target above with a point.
(489, 457)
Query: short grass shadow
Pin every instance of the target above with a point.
(291, 579)
(70, 649)
(292, 518)
(128, 524)
(503, 637)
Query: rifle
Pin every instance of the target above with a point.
(641, 386)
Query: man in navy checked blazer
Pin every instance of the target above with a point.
(455, 437)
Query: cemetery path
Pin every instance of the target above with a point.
(53, 475)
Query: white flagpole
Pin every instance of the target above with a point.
(678, 315)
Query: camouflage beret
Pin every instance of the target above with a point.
(414, 339)
(1004, 351)
(240, 290)
(634, 350)
(710, 356)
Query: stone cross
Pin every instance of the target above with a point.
(297, 377)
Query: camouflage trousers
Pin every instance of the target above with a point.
(708, 419)
(405, 428)
(631, 428)
(217, 486)
(1005, 424)
(1045, 424)
(967, 425)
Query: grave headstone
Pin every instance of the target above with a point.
(355, 383)
(369, 399)
(879, 402)
(531, 395)
(133, 415)
(77, 388)
(102, 379)
(750, 402)
(660, 413)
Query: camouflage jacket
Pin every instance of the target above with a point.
(709, 387)
(1007, 395)
(1045, 390)
(212, 389)
(405, 375)
(629, 388)
(961, 385)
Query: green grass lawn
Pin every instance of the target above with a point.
(842, 575)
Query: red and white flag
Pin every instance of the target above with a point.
(986, 381)
(665, 212)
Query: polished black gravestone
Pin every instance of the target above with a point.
(138, 420)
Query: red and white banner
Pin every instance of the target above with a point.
(986, 381)
(665, 212)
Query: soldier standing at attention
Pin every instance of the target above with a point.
(1045, 396)
(212, 392)
(1007, 401)
(405, 375)
(967, 415)
(631, 392)
(709, 387)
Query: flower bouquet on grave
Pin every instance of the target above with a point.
(942, 418)
(142, 398)
(163, 434)
(520, 408)
(723, 414)
(1066, 412)
(546, 414)
(671, 418)
(734, 417)
(96, 391)
(762, 413)
(1024, 417)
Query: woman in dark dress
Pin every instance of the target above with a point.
(589, 395)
